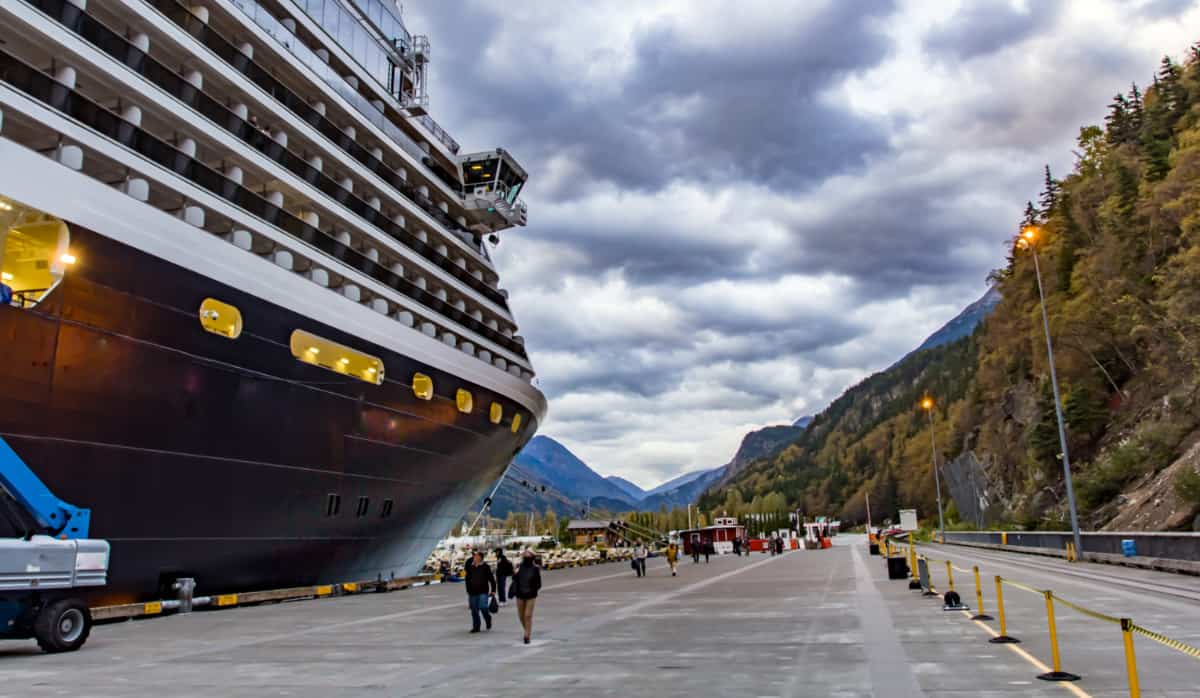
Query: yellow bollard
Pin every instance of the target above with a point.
(1004, 538)
(978, 597)
(1056, 674)
(1135, 691)
(949, 577)
(1003, 637)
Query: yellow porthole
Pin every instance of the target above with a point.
(496, 414)
(465, 402)
(220, 318)
(422, 386)
(335, 357)
(516, 422)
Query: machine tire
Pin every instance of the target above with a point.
(62, 626)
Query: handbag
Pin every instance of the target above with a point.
(633, 564)
(493, 605)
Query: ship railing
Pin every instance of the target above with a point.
(28, 297)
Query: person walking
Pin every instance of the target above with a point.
(504, 572)
(481, 584)
(672, 557)
(639, 556)
(526, 583)
(695, 551)
(737, 547)
(708, 550)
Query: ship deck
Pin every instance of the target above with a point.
(811, 623)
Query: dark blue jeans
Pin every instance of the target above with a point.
(479, 604)
(501, 582)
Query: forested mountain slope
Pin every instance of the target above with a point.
(1119, 249)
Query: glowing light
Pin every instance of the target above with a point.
(927, 403)
(476, 167)
(370, 369)
(5, 206)
(314, 350)
(1029, 233)
(6, 276)
(68, 258)
(343, 361)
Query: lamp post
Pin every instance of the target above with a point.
(1026, 241)
(927, 405)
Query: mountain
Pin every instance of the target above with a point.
(1117, 243)
(761, 443)
(965, 322)
(677, 482)
(637, 493)
(681, 491)
(803, 422)
(547, 458)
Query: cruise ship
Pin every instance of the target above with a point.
(254, 324)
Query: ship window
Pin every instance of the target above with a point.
(364, 504)
(333, 504)
(422, 386)
(220, 318)
(387, 509)
(34, 252)
(496, 414)
(335, 357)
(465, 402)
(516, 422)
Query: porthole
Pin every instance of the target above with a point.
(516, 424)
(422, 386)
(220, 318)
(335, 357)
(496, 414)
(464, 400)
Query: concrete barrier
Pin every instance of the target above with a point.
(1178, 546)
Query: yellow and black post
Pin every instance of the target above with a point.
(1003, 637)
(915, 581)
(979, 615)
(1135, 691)
(1056, 673)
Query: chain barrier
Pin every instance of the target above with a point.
(1163, 639)
(1127, 626)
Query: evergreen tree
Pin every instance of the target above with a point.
(1049, 197)
(1116, 124)
(1032, 215)
(1135, 109)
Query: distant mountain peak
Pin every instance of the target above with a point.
(803, 422)
(627, 487)
(965, 322)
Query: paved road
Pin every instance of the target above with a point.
(1163, 602)
(820, 623)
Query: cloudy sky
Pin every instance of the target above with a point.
(739, 209)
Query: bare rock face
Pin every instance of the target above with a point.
(1154, 506)
(975, 496)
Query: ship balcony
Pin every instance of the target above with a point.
(222, 204)
(287, 88)
(35, 252)
(342, 187)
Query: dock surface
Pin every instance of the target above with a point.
(807, 623)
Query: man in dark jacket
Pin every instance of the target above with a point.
(480, 584)
(504, 571)
(526, 583)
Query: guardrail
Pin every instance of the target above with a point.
(1127, 627)
(1177, 551)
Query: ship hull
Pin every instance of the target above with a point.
(214, 458)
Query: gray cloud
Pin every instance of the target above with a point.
(982, 27)
(736, 211)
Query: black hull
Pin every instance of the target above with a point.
(214, 458)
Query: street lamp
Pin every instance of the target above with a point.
(927, 405)
(1026, 242)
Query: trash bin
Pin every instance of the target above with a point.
(897, 568)
(874, 548)
(1128, 547)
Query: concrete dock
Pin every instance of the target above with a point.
(808, 623)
